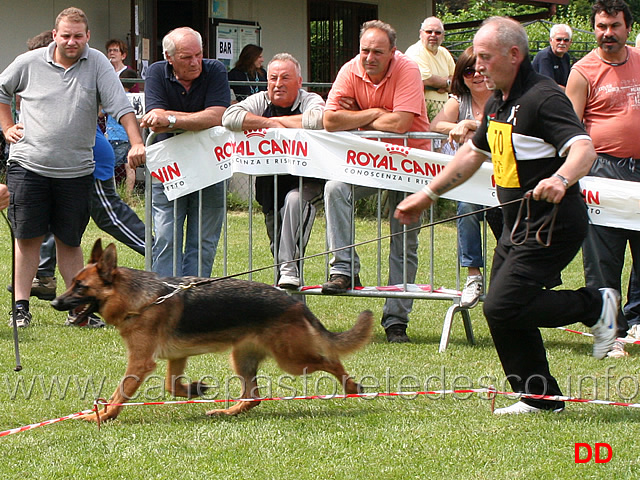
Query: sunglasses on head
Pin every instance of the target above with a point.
(469, 72)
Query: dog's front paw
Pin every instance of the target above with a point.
(221, 412)
(236, 409)
(102, 414)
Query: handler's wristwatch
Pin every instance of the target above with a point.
(564, 181)
(172, 120)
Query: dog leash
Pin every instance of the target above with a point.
(525, 201)
(16, 347)
(549, 219)
(186, 286)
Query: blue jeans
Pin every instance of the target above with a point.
(337, 204)
(186, 210)
(120, 149)
(469, 238)
(47, 267)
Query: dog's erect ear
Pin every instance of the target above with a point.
(108, 263)
(96, 252)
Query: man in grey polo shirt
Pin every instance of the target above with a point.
(51, 158)
(284, 105)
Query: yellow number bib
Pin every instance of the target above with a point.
(502, 155)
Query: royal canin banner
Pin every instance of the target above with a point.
(193, 160)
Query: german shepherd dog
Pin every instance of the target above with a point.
(159, 319)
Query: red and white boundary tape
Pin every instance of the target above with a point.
(620, 339)
(42, 424)
(491, 392)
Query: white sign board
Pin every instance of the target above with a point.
(193, 160)
(231, 38)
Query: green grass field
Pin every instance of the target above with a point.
(448, 436)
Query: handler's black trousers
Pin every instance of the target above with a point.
(520, 299)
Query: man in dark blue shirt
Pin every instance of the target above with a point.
(185, 92)
(554, 61)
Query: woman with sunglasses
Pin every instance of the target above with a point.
(459, 119)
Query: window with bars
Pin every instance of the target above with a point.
(334, 28)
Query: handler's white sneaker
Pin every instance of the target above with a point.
(604, 331)
(521, 407)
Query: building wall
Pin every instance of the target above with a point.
(283, 22)
(288, 33)
(26, 18)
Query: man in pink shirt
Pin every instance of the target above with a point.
(379, 89)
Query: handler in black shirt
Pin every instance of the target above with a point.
(536, 143)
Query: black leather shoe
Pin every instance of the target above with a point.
(397, 334)
(340, 283)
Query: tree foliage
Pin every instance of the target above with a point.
(576, 15)
(579, 7)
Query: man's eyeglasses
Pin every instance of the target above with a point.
(434, 32)
(567, 40)
(469, 72)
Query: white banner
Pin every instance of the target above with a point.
(193, 160)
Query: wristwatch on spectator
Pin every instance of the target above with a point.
(172, 120)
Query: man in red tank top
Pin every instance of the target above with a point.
(603, 88)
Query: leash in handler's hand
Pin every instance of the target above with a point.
(353, 245)
(549, 219)
(186, 286)
(18, 366)
(524, 200)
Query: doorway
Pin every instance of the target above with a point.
(172, 14)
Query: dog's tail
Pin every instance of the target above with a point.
(342, 343)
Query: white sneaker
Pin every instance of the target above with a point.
(472, 291)
(521, 407)
(288, 282)
(617, 351)
(633, 333)
(604, 331)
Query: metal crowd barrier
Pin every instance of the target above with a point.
(404, 290)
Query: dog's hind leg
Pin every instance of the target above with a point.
(309, 363)
(173, 381)
(245, 360)
(298, 351)
(337, 370)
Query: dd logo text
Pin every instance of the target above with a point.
(584, 453)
